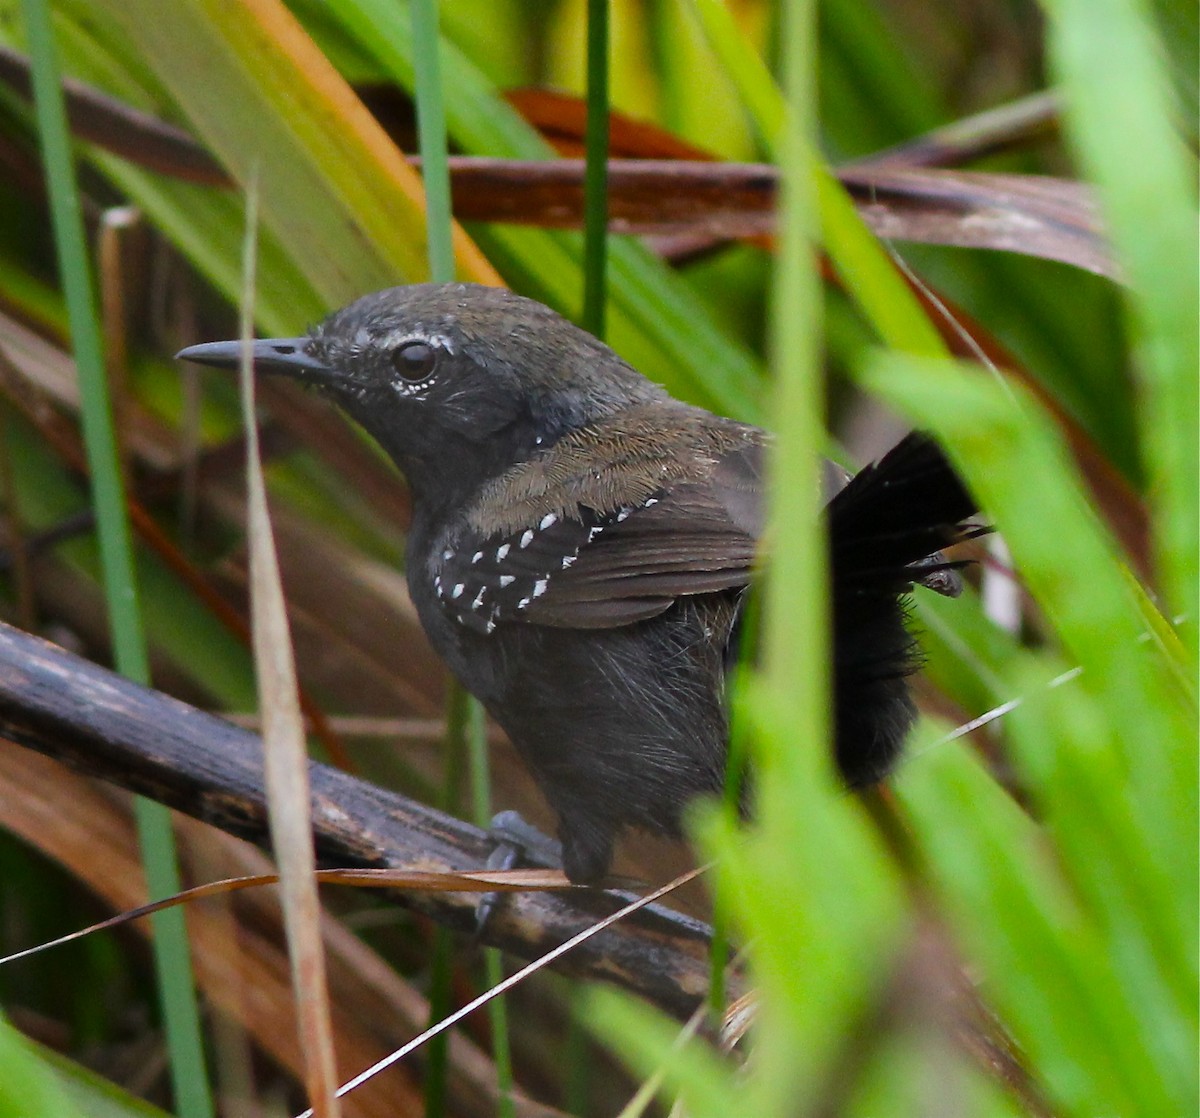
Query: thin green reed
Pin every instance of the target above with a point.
(171, 952)
(595, 181)
(431, 133)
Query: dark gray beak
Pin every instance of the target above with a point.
(289, 356)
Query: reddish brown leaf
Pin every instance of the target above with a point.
(562, 119)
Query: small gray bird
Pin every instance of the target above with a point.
(582, 545)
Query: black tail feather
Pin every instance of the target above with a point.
(886, 528)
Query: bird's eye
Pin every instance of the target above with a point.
(414, 360)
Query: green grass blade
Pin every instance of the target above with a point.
(431, 128)
(595, 185)
(28, 1088)
(95, 1096)
(1113, 766)
(1002, 443)
(808, 840)
(493, 959)
(871, 278)
(1120, 114)
(650, 1044)
(1047, 968)
(171, 952)
(797, 576)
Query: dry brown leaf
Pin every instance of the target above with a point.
(285, 750)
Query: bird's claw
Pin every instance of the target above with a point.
(514, 838)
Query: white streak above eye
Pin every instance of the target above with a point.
(397, 338)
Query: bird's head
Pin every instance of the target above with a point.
(456, 381)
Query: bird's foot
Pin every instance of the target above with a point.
(515, 839)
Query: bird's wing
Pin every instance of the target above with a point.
(603, 568)
(591, 568)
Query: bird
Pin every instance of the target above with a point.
(583, 547)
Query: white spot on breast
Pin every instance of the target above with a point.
(448, 554)
(526, 538)
(548, 521)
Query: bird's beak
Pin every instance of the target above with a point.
(289, 356)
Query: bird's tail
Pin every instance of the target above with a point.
(886, 531)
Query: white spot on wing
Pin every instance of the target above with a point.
(503, 550)
(507, 580)
(458, 589)
(526, 538)
(548, 521)
(539, 587)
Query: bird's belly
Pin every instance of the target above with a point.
(623, 725)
